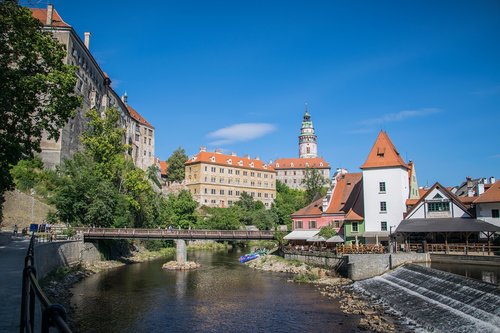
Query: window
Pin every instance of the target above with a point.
(441, 206)
(381, 187)
(150, 142)
(495, 213)
(144, 153)
(212, 179)
(252, 174)
(230, 171)
(383, 226)
(337, 223)
(212, 191)
(298, 224)
(221, 170)
(221, 192)
(259, 195)
(354, 226)
(144, 140)
(137, 137)
(213, 169)
(206, 190)
(237, 193)
(230, 202)
(206, 168)
(230, 192)
(383, 206)
(312, 224)
(237, 172)
(150, 132)
(245, 173)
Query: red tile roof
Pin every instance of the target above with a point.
(491, 195)
(229, 160)
(301, 163)
(41, 15)
(383, 154)
(342, 197)
(137, 116)
(163, 168)
(411, 202)
(422, 191)
(313, 209)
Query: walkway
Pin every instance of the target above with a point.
(11, 268)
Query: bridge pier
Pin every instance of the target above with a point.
(181, 251)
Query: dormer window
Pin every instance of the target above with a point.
(212, 159)
(321, 164)
(229, 161)
(291, 164)
(251, 165)
(240, 163)
(277, 165)
(380, 152)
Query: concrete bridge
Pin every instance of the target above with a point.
(179, 235)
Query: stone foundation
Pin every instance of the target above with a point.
(177, 266)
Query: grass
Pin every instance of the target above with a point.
(305, 277)
(212, 246)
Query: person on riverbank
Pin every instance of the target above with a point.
(15, 230)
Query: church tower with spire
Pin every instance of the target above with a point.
(308, 146)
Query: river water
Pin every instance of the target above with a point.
(220, 296)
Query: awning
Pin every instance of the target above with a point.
(374, 234)
(316, 238)
(301, 234)
(452, 224)
(335, 239)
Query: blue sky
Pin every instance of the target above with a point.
(236, 75)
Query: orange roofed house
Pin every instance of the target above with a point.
(292, 171)
(218, 180)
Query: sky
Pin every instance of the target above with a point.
(237, 75)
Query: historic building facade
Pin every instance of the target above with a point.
(292, 171)
(94, 86)
(218, 180)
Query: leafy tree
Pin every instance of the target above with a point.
(152, 173)
(26, 173)
(287, 202)
(314, 183)
(327, 231)
(180, 211)
(176, 168)
(223, 218)
(37, 88)
(265, 219)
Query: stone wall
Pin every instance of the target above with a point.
(18, 207)
(313, 259)
(364, 266)
(49, 256)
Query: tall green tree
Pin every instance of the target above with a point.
(176, 168)
(180, 211)
(287, 202)
(36, 88)
(314, 183)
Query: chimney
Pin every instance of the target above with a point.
(233, 153)
(50, 11)
(247, 156)
(257, 158)
(86, 39)
(492, 180)
(124, 98)
(218, 151)
(479, 189)
(202, 148)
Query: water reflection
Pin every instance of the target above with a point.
(221, 296)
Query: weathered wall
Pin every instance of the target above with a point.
(49, 256)
(314, 260)
(468, 260)
(364, 266)
(17, 210)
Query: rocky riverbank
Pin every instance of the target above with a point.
(373, 317)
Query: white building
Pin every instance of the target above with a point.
(385, 189)
(488, 205)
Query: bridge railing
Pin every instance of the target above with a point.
(174, 233)
(53, 315)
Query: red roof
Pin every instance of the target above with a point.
(491, 195)
(137, 116)
(229, 160)
(422, 191)
(339, 204)
(41, 15)
(383, 154)
(301, 163)
(313, 209)
(163, 168)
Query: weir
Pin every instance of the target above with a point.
(438, 300)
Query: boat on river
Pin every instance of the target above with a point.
(253, 255)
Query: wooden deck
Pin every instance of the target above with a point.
(125, 233)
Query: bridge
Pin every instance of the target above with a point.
(179, 235)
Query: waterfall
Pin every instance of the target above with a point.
(438, 301)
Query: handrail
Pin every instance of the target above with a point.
(53, 315)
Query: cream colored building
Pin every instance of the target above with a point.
(218, 180)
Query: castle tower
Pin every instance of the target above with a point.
(308, 146)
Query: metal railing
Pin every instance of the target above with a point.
(53, 315)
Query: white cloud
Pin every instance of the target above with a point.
(240, 133)
(400, 116)
(494, 90)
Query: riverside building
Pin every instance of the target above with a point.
(218, 180)
(292, 171)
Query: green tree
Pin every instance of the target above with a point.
(265, 219)
(180, 211)
(314, 183)
(152, 173)
(223, 218)
(327, 231)
(37, 88)
(26, 173)
(176, 168)
(287, 202)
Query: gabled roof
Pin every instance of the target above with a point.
(491, 195)
(345, 192)
(301, 163)
(137, 116)
(449, 224)
(41, 15)
(446, 192)
(383, 154)
(313, 209)
(229, 161)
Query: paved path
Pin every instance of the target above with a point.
(11, 270)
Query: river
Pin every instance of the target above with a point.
(220, 296)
